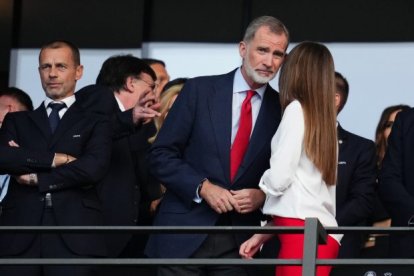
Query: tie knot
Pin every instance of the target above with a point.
(56, 106)
(250, 94)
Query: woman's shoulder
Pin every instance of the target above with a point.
(294, 107)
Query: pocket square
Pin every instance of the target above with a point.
(76, 136)
(342, 163)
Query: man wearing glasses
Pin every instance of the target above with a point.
(130, 102)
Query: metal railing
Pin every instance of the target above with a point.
(314, 232)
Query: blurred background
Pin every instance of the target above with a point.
(372, 41)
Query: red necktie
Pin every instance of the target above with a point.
(241, 141)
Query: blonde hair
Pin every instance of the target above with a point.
(165, 100)
(308, 76)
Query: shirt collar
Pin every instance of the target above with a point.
(240, 84)
(120, 105)
(68, 101)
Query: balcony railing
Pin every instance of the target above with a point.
(314, 232)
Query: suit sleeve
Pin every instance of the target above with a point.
(167, 155)
(20, 160)
(99, 99)
(398, 201)
(88, 168)
(361, 196)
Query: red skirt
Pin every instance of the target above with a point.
(291, 247)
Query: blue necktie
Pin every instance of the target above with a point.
(54, 115)
(4, 184)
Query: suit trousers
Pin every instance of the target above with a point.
(47, 246)
(217, 246)
(292, 248)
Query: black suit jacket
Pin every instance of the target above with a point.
(396, 185)
(128, 178)
(20, 161)
(75, 202)
(355, 191)
(195, 143)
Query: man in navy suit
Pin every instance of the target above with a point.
(62, 195)
(396, 185)
(355, 192)
(191, 155)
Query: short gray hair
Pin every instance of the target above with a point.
(275, 25)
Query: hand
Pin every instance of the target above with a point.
(154, 205)
(250, 247)
(249, 200)
(218, 198)
(27, 179)
(146, 108)
(13, 144)
(62, 159)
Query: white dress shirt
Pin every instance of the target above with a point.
(68, 101)
(294, 187)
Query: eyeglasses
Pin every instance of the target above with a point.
(152, 85)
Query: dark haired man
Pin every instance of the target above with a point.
(14, 99)
(160, 70)
(129, 102)
(355, 192)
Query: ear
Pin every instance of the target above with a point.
(242, 49)
(79, 72)
(129, 84)
(337, 101)
(13, 108)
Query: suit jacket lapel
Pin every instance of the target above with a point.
(342, 138)
(220, 107)
(262, 132)
(72, 115)
(41, 120)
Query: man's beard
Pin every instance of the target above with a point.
(254, 75)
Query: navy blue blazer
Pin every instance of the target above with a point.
(396, 185)
(193, 144)
(355, 191)
(75, 202)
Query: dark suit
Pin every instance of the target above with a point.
(20, 161)
(396, 185)
(125, 182)
(355, 191)
(195, 143)
(72, 187)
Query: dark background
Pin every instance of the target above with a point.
(105, 24)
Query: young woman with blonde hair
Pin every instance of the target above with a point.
(302, 176)
(167, 99)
